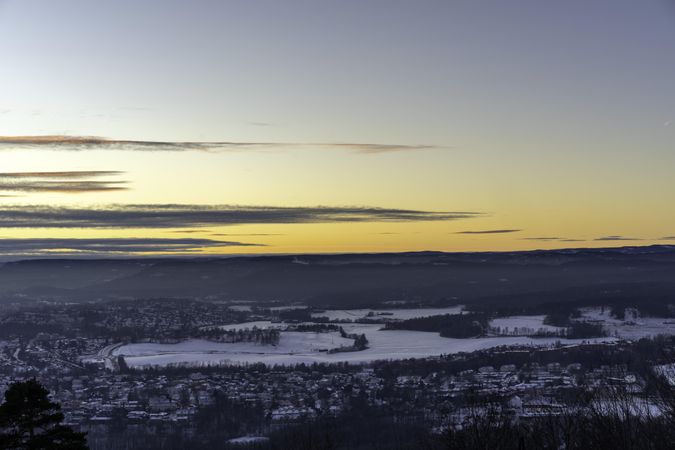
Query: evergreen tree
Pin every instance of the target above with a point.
(29, 420)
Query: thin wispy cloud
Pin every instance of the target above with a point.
(194, 216)
(667, 238)
(110, 246)
(70, 182)
(73, 175)
(551, 239)
(83, 143)
(617, 238)
(487, 231)
(380, 148)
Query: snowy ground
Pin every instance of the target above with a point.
(296, 347)
(248, 440)
(240, 308)
(300, 347)
(196, 350)
(631, 328)
(522, 325)
(386, 314)
(667, 371)
(287, 308)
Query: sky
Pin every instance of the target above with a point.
(154, 127)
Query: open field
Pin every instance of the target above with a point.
(633, 327)
(295, 347)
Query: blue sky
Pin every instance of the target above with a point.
(555, 118)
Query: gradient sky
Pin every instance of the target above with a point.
(551, 122)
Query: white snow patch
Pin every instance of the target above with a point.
(667, 371)
(633, 328)
(522, 325)
(245, 440)
(240, 308)
(287, 308)
(299, 347)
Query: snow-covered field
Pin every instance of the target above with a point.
(631, 328)
(296, 347)
(240, 308)
(287, 308)
(195, 350)
(300, 347)
(386, 314)
(522, 325)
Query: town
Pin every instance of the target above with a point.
(101, 394)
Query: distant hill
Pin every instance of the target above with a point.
(354, 279)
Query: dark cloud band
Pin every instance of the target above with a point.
(488, 232)
(551, 239)
(81, 143)
(67, 187)
(616, 238)
(109, 246)
(192, 216)
(71, 175)
(63, 182)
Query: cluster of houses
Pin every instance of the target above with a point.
(101, 397)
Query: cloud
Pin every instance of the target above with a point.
(82, 143)
(68, 187)
(549, 239)
(381, 148)
(616, 238)
(488, 232)
(191, 216)
(667, 238)
(109, 246)
(64, 182)
(76, 175)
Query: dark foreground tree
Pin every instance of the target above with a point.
(29, 420)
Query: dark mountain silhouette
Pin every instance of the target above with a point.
(356, 279)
